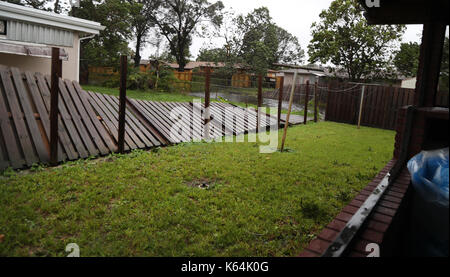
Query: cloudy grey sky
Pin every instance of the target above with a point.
(293, 15)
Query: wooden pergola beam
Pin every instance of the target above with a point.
(407, 12)
(429, 64)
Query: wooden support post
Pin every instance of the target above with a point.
(291, 99)
(305, 116)
(207, 103)
(122, 102)
(56, 73)
(361, 106)
(429, 64)
(259, 101)
(328, 107)
(280, 100)
(316, 103)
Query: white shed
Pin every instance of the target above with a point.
(27, 35)
(409, 83)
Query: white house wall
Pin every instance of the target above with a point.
(43, 65)
(28, 32)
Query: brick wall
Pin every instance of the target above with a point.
(421, 119)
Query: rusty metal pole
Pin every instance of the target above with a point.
(286, 124)
(122, 102)
(207, 102)
(306, 102)
(316, 102)
(259, 101)
(280, 101)
(361, 106)
(56, 72)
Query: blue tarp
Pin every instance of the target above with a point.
(429, 175)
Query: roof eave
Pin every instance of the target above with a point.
(17, 12)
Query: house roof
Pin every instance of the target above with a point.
(27, 14)
(305, 71)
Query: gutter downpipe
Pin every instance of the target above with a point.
(79, 58)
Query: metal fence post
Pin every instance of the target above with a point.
(56, 72)
(316, 103)
(259, 101)
(305, 116)
(280, 100)
(122, 102)
(207, 102)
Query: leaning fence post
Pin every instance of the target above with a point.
(207, 102)
(280, 100)
(315, 102)
(305, 116)
(286, 124)
(259, 102)
(361, 106)
(122, 102)
(56, 72)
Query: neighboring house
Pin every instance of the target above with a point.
(409, 83)
(303, 74)
(27, 35)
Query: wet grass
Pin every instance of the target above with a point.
(193, 199)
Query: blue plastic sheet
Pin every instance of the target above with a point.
(429, 174)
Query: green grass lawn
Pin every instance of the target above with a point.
(147, 203)
(151, 95)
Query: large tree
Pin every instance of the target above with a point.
(259, 43)
(178, 20)
(141, 23)
(57, 6)
(37, 4)
(407, 59)
(344, 38)
(106, 48)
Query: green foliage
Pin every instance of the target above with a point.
(255, 42)
(189, 15)
(216, 55)
(344, 38)
(141, 24)
(106, 48)
(141, 204)
(407, 59)
(37, 4)
(164, 79)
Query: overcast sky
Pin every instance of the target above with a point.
(293, 15)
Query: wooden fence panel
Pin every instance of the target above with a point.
(380, 105)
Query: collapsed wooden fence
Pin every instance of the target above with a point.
(88, 122)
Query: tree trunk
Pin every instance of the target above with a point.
(137, 56)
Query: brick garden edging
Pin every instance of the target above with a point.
(377, 225)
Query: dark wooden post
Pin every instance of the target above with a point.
(429, 64)
(56, 72)
(122, 102)
(316, 103)
(207, 102)
(280, 101)
(328, 107)
(306, 101)
(259, 100)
